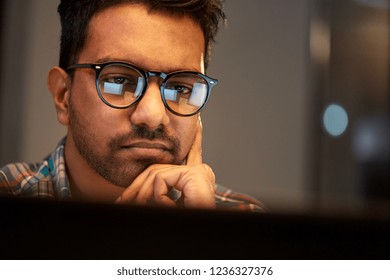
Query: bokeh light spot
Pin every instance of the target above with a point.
(335, 120)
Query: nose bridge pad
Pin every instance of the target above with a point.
(159, 77)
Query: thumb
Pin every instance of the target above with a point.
(195, 154)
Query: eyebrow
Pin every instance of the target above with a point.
(141, 65)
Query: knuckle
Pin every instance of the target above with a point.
(153, 172)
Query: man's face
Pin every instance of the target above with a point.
(120, 143)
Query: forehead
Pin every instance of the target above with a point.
(150, 39)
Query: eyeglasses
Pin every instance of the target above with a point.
(120, 85)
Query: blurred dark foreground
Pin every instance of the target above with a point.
(40, 229)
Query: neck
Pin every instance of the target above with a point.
(86, 184)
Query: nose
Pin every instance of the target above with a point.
(150, 111)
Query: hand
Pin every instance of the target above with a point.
(195, 180)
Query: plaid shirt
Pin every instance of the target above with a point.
(48, 179)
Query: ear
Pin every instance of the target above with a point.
(59, 85)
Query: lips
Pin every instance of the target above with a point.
(147, 145)
(155, 152)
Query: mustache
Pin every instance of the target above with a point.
(140, 132)
(144, 133)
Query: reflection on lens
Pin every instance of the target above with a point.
(198, 96)
(112, 88)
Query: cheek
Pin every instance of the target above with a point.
(84, 95)
(186, 131)
(101, 120)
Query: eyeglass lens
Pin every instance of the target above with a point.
(184, 93)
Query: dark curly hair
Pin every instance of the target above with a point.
(76, 15)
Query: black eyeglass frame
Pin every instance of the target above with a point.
(98, 67)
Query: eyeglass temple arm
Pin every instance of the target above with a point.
(83, 65)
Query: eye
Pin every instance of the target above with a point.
(128, 82)
(182, 90)
(118, 80)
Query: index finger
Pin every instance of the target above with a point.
(195, 154)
